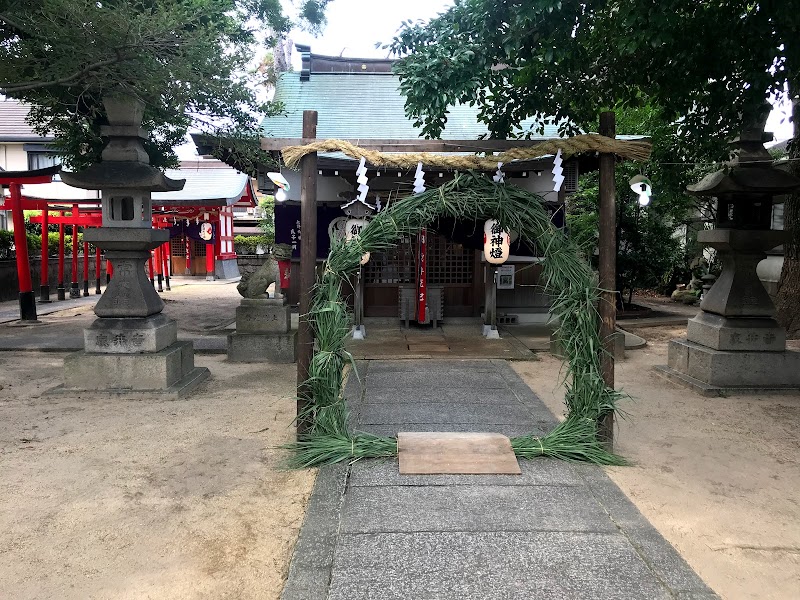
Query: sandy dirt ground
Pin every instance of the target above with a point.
(109, 497)
(718, 477)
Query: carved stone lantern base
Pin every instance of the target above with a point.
(131, 347)
(735, 345)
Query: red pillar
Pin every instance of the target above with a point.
(27, 301)
(74, 290)
(150, 269)
(60, 290)
(109, 271)
(44, 291)
(159, 261)
(210, 261)
(165, 267)
(98, 267)
(85, 268)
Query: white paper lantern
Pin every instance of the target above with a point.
(353, 228)
(496, 242)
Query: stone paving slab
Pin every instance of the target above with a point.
(491, 565)
(386, 414)
(544, 471)
(512, 430)
(558, 530)
(464, 379)
(452, 396)
(474, 508)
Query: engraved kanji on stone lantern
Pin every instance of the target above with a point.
(735, 341)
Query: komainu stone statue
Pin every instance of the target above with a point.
(254, 285)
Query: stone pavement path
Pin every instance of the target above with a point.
(559, 530)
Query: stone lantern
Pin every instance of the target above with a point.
(735, 343)
(131, 346)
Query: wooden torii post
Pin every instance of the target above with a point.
(14, 180)
(308, 218)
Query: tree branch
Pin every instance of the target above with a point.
(12, 88)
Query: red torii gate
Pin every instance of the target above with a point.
(14, 181)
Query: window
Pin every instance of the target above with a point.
(40, 160)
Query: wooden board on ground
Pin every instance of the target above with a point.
(437, 453)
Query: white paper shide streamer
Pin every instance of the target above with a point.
(363, 188)
(499, 176)
(419, 179)
(558, 172)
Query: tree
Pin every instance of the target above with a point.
(709, 65)
(185, 59)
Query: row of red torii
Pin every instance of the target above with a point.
(82, 215)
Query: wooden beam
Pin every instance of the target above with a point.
(411, 145)
(308, 267)
(608, 270)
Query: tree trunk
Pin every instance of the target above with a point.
(787, 300)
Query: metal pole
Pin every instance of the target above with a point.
(308, 264)
(608, 271)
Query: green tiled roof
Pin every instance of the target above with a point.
(366, 106)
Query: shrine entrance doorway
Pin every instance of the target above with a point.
(453, 266)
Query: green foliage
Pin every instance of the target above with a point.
(703, 62)
(267, 220)
(186, 59)
(247, 244)
(568, 280)
(6, 244)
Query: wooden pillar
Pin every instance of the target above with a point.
(308, 264)
(109, 271)
(608, 271)
(74, 290)
(44, 287)
(98, 268)
(158, 265)
(85, 268)
(61, 292)
(27, 301)
(166, 266)
(210, 261)
(150, 271)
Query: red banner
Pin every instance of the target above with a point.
(422, 276)
(284, 267)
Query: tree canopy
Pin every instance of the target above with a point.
(186, 59)
(704, 62)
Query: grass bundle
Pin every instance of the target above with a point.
(574, 439)
(568, 280)
(328, 449)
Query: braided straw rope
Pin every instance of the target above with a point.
(590, 142)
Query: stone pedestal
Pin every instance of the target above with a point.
(735, 345)
(132, 347)
(263, 332)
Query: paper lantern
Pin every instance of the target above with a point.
(353, 228)
(496, 242)
(206, 231)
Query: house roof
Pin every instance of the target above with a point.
(208, 183)
(13, 127)
(366, 106)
